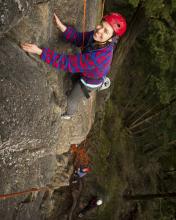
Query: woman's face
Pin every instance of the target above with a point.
(103, 32)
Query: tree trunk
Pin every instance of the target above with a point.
(136, 26)
(146, 120)
(138, 93)
(173, 142)
(143, 115)
(152, 116)
(170, 171)
(150, 196)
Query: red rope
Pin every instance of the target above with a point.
(11, 195)
(84, 19)
(84, 23)
(102, 9)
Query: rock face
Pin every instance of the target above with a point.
(13, 11)
(33, 140)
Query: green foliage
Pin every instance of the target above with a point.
(102, 152)
(165, 90)
(134, 2)
(162, 46)
(138, 158)
(173, 2)
(157, 45)
(165, 210)
(154, 7)
(161, 42)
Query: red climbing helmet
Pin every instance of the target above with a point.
(87, 169)
(117, 22)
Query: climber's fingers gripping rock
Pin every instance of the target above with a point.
(31, 48)
(59, 24)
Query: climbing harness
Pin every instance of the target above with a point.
(85, 90)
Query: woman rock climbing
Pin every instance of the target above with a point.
(92, 64)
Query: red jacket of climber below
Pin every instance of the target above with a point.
(93, 63)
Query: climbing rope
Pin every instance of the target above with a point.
(84, 19)
(84, 23)
(11, 195)
(102, 8)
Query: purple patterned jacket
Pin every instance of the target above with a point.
(93, 64)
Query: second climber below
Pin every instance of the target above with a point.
(92, 63)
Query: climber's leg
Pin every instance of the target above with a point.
(74, 99)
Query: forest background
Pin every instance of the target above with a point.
(133, 142)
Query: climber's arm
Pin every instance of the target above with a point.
(69, 63)
(70, 34)
(59, 24)
(75, 37)
(91, 63)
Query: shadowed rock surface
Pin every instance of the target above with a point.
(13, 11)
(33, 140)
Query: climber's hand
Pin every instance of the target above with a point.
(31, 48)
(59, 24)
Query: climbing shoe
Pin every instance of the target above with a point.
(65, 117)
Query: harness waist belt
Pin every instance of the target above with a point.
(91, 86)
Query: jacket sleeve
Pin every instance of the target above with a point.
(91, 63)
(75, 37)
